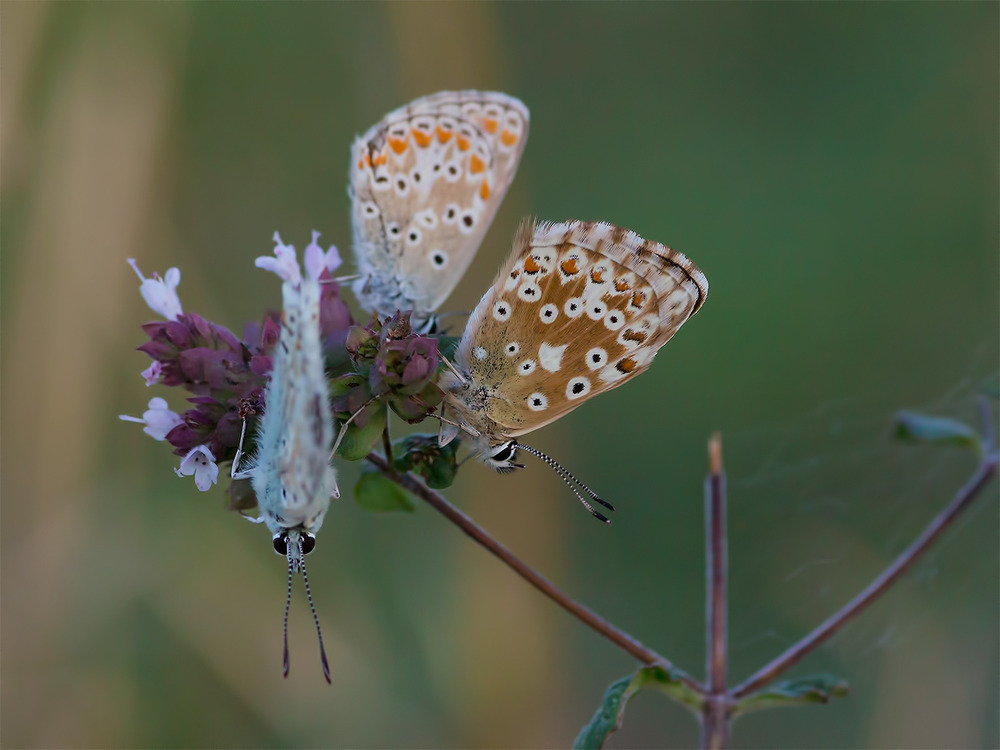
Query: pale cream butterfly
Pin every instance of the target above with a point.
(579, 308)
(290, 471)
(425, 183)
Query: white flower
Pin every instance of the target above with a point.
(159, 420)
(317, 261)
(200, 462)
(152, 374)
(161, 294)
(285, 264)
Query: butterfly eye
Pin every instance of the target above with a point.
(308, 542)
(280, 542)
(502, 458)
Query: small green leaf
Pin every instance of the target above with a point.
(344, 384)
(448, 345)
(915, 427)
(376, 493)
(358, 442)
(422, 455)
(609, 715)
(818, 688)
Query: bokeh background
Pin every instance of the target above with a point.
(832, 167)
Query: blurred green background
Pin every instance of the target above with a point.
(833, 168)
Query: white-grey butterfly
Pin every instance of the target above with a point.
(579, 308)
(290, 471)
(425, 183)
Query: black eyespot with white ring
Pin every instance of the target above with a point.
(577, 387)
(573, 307)
(596, 310)
(596, 358)
(439, 258)
(501, 311)
(548, 313)
(537, 402)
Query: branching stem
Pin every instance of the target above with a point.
(766, 674)
(620, 638)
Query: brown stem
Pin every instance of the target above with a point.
(715, 716)
(984, 472)
(620, 638)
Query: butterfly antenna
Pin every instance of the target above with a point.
(288, 605)
(570, 481)
(312, 608)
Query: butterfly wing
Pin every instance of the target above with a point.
(578, 309)
(293, 478)
(425, 184)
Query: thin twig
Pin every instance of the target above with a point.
(620, 638)
(715, 716)
(984, 472)
(716, 567)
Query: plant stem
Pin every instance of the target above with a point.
(962, 499)
(620, 638)
(715, 716)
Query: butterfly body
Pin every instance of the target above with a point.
(579, 308)
(290, 471)
(292, 475)
(425, 183)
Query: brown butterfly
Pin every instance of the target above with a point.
(579, 308)
(426, 182)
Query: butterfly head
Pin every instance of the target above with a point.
(293, 544)
(502, 457)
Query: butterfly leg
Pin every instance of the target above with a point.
(454, 369)
(234, 473)
(343, 427)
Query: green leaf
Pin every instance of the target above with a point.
(422, 455)
(448, 345)
(915, 427)
(358, 442)
(818, 688)
(609, 715)
(376, 493)
(344, 384)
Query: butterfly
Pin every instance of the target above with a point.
(425, 183)
(579, 308)
(290, 471)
